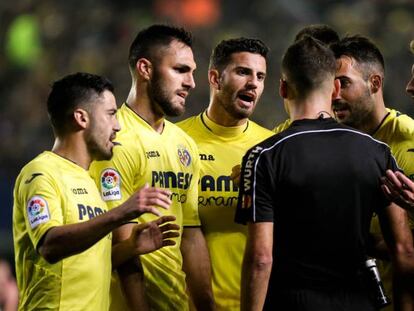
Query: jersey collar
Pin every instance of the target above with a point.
(224, 131)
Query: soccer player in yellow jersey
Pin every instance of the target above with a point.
(398, 186)
(323, 33)
(154, 151)
(360, 104)
(61, 226)
(223, 134)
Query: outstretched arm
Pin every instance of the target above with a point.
(62, 241)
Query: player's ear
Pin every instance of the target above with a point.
(214, 78)
(144, 68)
(81, 118)
(283, 88)
(375, 82)
(336, 89)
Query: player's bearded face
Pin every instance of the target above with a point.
(96, 141)
(172, 79)
(354, 104)
(241, 84)
(102, 129)
(161, 94)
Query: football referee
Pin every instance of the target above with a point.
(308, 195)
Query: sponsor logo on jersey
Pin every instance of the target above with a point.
(37, 211)
(410, 150)
(110, 185)
(87, 212)
(248, 169)
(184, 155)
(206, 157)
(29, 180)
(171, 179)
(79, 191)
(221, 183)
(152, 154)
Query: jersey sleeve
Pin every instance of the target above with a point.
(42, 204)
(255, 202)
(116, 178)
(190, 207)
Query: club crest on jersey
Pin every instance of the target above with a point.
(110, 185)
(184, 155)
(37, 211)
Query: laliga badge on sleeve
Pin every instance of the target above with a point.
(37, 211)
(110, 185)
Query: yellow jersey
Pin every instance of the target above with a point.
(282, 126)
(167, 160)
(221, 148)
(52, 191)
(397, 131)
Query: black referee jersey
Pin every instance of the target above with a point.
(319, 183)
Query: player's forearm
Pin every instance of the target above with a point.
(196, 265)
(255, 279)
(131, 275)
(67, 240)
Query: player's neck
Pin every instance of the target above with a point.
(219, 115)
(74, 150)
(142, 106)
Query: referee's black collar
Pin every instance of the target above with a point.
(317, 121)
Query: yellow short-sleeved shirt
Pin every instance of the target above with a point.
(167, 160)
(397, 131)
(282, 126)
(221, 148)
(52, 191)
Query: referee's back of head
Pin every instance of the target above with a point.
(307, 65)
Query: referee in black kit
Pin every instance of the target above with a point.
(308, 195)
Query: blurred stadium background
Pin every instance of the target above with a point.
(46, 39)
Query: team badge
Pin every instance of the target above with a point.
(110, 185)
(184, 155)
(37, 211)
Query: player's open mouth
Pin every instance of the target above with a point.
(247, 97)
(182, 94)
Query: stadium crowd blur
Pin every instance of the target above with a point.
(45, 39)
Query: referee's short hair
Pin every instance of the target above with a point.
(70, 92)
(307, 64)
(149, 41)
(221, 54)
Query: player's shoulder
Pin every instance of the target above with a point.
(179, 133)
(187, 124)
(259, 130)
(282, 126)
(402, 123)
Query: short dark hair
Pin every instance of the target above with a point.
(221, 54)
(149, 39)
(363, 50)
(322, 32)
(306, 64)
(70, 92)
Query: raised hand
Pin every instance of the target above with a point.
(399, 189)
(145, 200)
(150, 236)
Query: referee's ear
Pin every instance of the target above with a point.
(283, 88)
